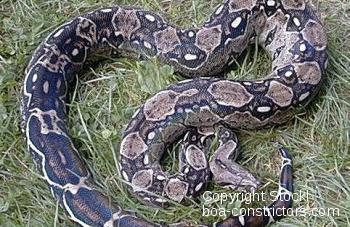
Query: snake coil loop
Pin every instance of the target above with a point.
(290, 32)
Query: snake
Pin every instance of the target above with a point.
(202, 110)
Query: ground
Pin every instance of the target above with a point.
(107, 96)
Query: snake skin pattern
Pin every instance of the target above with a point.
(290, 32)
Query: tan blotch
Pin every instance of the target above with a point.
(205, 117)
(132, 146)
(142, 179)
(293, 4)
(161, 105)
(196, 158)
(230, 93)
(166, 39)
(308, 72)
(280, 94)
(176, 189)
(238, 5)
(209, 38)
(243, 120)
(315, 35)
(126, 22)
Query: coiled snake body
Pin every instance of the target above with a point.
(288, 30)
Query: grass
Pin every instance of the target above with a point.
(107, 96)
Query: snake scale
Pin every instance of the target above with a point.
(291, 33)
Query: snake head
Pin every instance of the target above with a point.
(246, 184)
(243, 182)
(231, 175)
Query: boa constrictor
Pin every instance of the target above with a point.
(291, 33)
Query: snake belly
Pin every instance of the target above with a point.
(290, 31)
